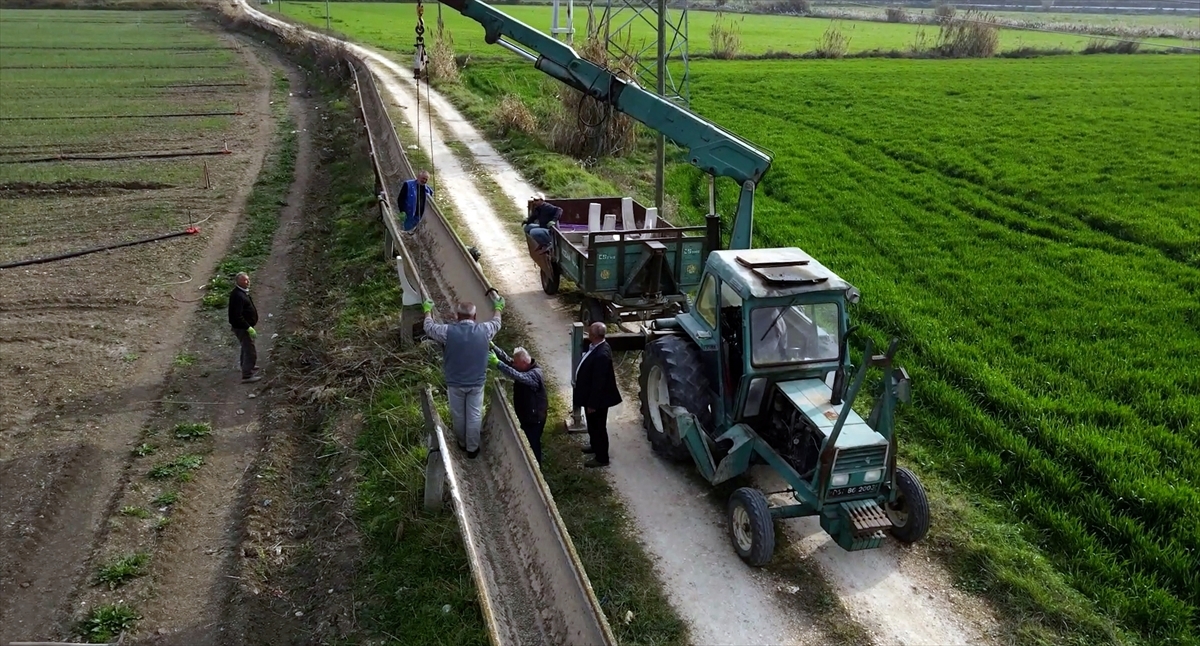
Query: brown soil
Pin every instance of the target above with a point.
(84, 348)
(93, 188)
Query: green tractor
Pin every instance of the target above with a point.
(758, 371)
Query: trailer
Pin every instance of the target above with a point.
(624, 269)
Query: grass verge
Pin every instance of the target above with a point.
(257, 227)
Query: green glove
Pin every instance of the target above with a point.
(498, 304)
(493, 360)
(253, 334)
(427, 306)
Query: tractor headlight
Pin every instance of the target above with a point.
(873, 476)
(840, 479)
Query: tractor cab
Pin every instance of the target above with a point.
(764, 317)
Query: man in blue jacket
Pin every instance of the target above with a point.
(411, 199)
(466, 348)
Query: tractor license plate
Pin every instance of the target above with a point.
(853, 491)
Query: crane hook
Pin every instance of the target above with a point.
(420, 60)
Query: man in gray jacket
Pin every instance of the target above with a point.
(466, 346)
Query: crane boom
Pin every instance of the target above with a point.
(711, 148)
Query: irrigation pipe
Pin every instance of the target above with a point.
(74, 254)
(122, 116)
(97, 157)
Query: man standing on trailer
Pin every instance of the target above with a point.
(529, 393)
(466, 348)
(537, 225)
(243, 316)
(596, 391)
(412, 198)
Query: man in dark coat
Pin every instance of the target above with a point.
(242, 318)
(596, 391)
(529, 393)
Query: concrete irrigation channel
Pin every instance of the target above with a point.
(531, 584)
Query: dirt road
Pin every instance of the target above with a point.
(685, 533)
(898, 595)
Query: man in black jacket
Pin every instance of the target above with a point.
(242, 318)
(529, 393)
(596, 391)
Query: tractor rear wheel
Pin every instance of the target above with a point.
(673, 374)
(551, 283)
(750, 526)
(910, 513)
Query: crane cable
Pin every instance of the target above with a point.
(421, 70)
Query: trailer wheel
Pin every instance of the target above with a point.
(672, 374)
(750, 526)
(591, 311)
(910, 513)
(551, 283)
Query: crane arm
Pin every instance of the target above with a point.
(711, 148)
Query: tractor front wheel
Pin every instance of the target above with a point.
(672, 374)
(750, 526)
(910, 513)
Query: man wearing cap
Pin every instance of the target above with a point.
(541, 215)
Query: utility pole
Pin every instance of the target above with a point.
(661, 141)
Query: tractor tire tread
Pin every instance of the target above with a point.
(687, 385)
(762, 526)
(918, 507)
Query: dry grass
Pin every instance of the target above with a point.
(511, 114)
(834, 43)
(975, 35)
(1103, 46)
(943, 13)
(442, 64)
(726, 37)
(582, 127)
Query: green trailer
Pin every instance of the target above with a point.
(636, 274)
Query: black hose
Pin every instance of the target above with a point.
(73, 254)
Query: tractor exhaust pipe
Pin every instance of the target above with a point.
(713, 232)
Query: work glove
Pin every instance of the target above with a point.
(493, 360)
(498, 304)
(427, 306)
(253, 334)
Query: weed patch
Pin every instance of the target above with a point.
(180, 468)
(192, 430)
(105, 623)
(116, 572)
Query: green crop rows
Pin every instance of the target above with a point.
(390, 25)
(1032, 235)
(64, 75)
